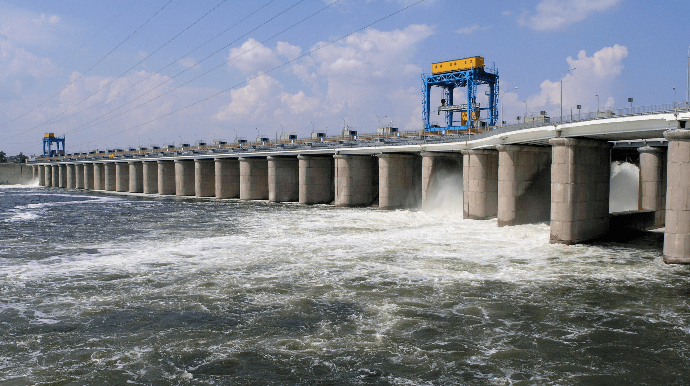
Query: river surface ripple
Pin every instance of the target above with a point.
(126, 289)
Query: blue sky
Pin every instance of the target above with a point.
(130, 73)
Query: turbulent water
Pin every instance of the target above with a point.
(127, 289)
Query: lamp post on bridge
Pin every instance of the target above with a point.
(597, 105)
(525, 102)
(503, 93)
(675, 98)
(564, 72)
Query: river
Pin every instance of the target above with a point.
(130, 289)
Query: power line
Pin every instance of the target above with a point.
(199, 76)
(90, 68)
(53, 121)
(124, 73)
(258, 76)
(85, 44)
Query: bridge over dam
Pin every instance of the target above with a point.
(555, 171)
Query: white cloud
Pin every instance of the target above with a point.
(24, 27)
(468, 30)
(556, 14)
(592, 76)
(16, 61)
(188, 62)
(366, 74)
(287, 50)
(253, 57)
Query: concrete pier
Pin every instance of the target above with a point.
(227, 176)
(442, 183)
(316, 184)
(79, 172)
(524, 184)
(580, 183)
(400, 181)
(283, 179)
(166, 178)
(356, 180)
(62, 175)
(41, 175)
(150, 177)
(480, 184)
(136, 177)
(184, 177)
(122, 177)
(48, 175)
(71, 176)
(253, 178)
(89, 176)
(98, 176)
(55, 176)
(677, 231)
(109, 171)
(653, 182)
(204, 178)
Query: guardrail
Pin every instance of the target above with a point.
(416, 134)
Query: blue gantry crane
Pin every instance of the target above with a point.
(48, 140)
(468, 73)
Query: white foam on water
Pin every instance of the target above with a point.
(391, 267)
(624, 192)
(33, 211)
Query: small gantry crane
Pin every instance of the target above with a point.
(468, 73)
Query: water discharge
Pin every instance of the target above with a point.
(147, 290)
(625, 182)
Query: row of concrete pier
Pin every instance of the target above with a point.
(566, 183)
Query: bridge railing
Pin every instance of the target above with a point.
(539, 121)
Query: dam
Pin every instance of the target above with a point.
(555, 172)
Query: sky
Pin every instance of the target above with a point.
(127, 73)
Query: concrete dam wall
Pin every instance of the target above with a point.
(16, 174)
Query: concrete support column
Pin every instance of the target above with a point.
(316, 179)
(55, 176)
(150, 177)
(580, 184)
(62, 173)
(166, 177)
(98, 176)
(79, 171)
(653, 182)
(184, 177)
(253, 178)
(283, 179)
(400, 181)
(441, 180)
(227, 177)
(48, 175)
(71, 176)
(677, 231)
(204, 178)
(34, 172)
(480, 184)
(356, 180)
(136, 177)
(524, 184)
(41, 175)
(89, 176)
(122, 177)
(109, 171)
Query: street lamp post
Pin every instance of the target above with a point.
(502, 119)
(525, 102)
(597, 104)
(675, 97)
(564, 72)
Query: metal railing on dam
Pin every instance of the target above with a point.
(414, 137)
